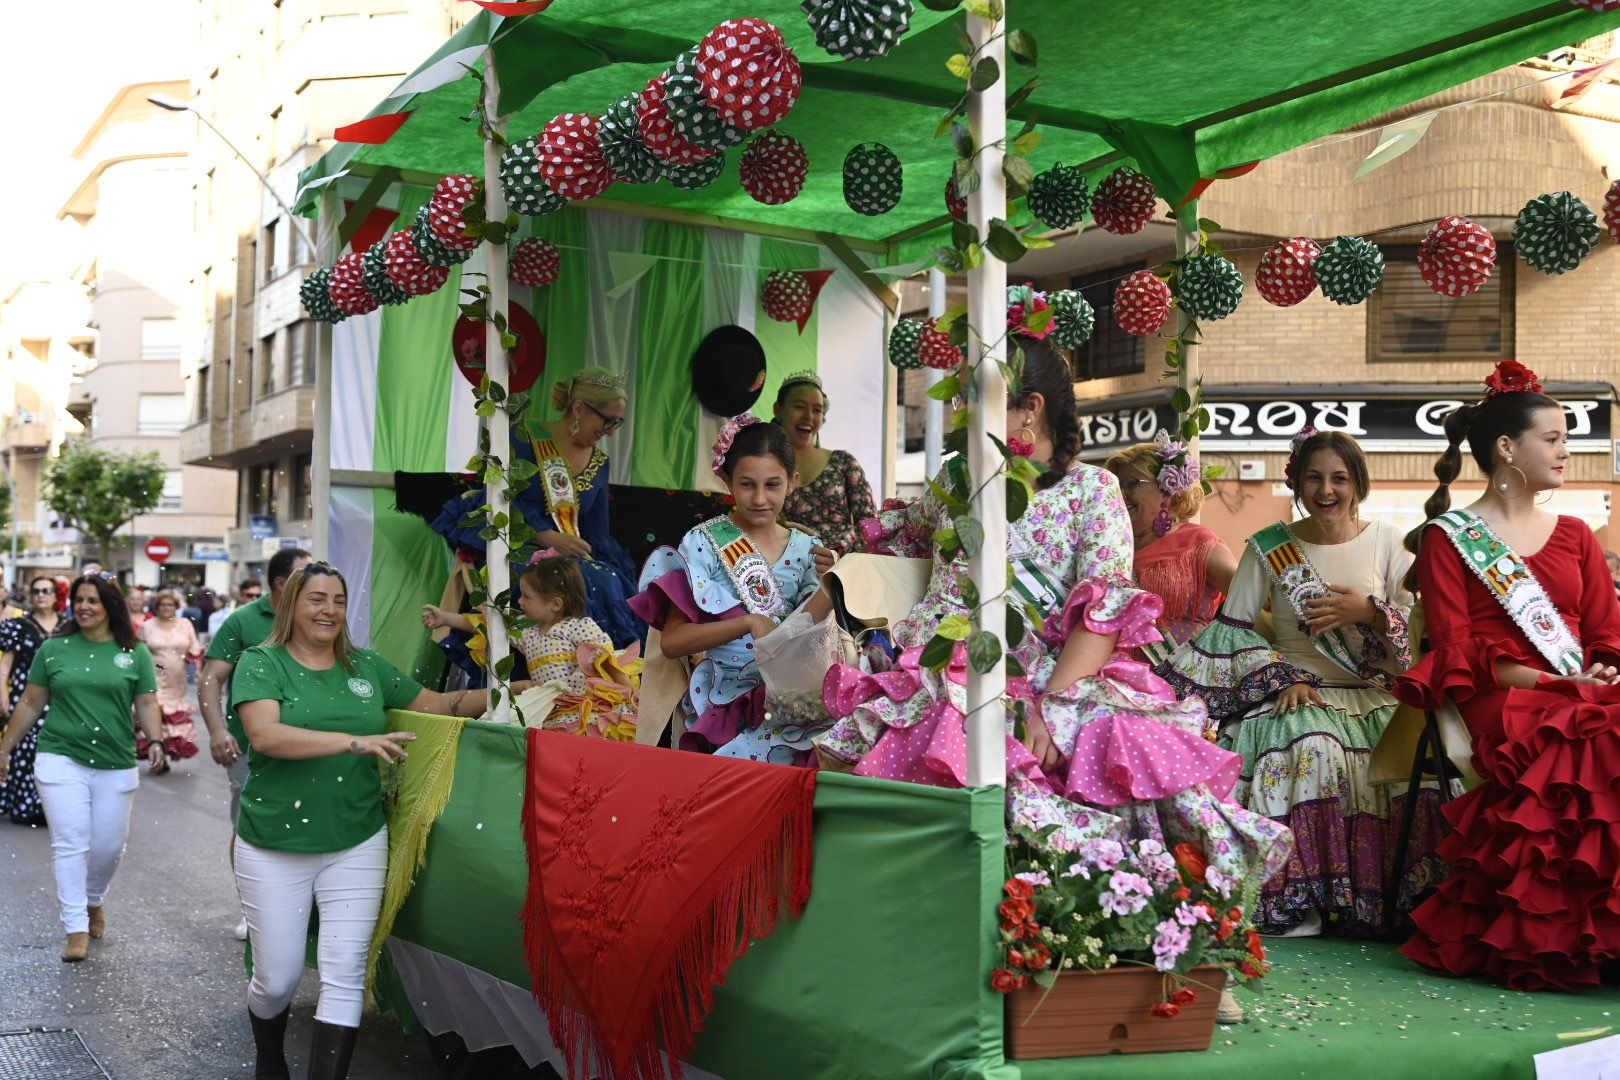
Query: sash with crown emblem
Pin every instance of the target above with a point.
(750, 574)
(562, 501)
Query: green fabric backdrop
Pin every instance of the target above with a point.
(671, 298)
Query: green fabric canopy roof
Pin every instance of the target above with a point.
(1182, 87)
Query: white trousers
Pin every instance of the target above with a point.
(277, 888)
(88, 814)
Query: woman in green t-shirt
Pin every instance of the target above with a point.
(311, 825)
(91, 674)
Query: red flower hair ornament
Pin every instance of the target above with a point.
(1512, 377)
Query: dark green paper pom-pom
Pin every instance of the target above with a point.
(317, 300)
(1349, 270)
(904, 341)
(620, 136)
(376, 277)
(1060, 196)
(1209, 287)
(699, 174)
(1073, 319)
(873, 179)
(1555, 232)
(526, 190)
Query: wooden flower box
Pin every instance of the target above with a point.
(1108, 1012)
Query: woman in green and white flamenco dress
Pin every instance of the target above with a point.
(1306, 712)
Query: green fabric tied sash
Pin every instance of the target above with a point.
(1508, 578)
(1287, 565)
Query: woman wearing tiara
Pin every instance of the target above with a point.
(1524, 639)
(833, 496)
(567, 501)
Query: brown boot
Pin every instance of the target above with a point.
(269, 1040)
(330, 1051)
(98, 921)
(77, 948)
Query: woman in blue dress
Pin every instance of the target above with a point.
(566, 502)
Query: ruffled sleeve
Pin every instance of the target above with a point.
(1227, 664)
(1459, 663)
(690, 579)
(1600, 609)
(1106, 606)
(905, 529)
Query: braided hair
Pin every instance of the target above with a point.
(1047, 373)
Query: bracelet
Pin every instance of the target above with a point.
(355, 747)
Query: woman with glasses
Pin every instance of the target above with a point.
(567, 500)
(20, 638)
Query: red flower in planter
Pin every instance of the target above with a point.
(1017, 911)
(1029, 931)
(1015, 958)
(1224, 929)
(1039, 958)
(1165, 1010)
(1185, 996)
(1182, 893)
(1005, 982)
(1257, 947)
(1018, 889)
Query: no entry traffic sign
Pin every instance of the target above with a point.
(158, 549)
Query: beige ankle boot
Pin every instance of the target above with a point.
(77, 948)
(98, 921)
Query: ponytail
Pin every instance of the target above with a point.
(1445, 470)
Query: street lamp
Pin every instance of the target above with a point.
(173, 104)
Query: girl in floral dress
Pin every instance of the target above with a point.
(19, 638)
(1306, 712)
(1109, 752)
(832, 497)
(733, 580)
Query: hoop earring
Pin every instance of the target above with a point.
(573, 429)
(1544, 502)
(1501, 484)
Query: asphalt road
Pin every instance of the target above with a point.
(163, 995)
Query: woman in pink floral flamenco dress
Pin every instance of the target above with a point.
(173, 641)
(1109, 753)
(1181, 562)
(1524, 639)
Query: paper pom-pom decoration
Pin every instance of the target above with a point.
(658, 130)
(317, 300)
(955, 205)
(523, 182)
(571, 157)
(786, 296)
(773, 168)
(1072, 319)
(347, 286)
(1141, 303)
(1060, 197)
(619, 135)
(750, 75)
(1124, 202)
(410, 273)
(1555, 232)
(450, 195)
(1209, 287)
(1611, 211)
(374, 272)
(858, 29)
(1457, 256)
(535, 262)
(905, 341)
(697, 175)
(430, 247)
(1287, 272)
(687, 103)
(873, 179)
(935, 350)
(1349, 269)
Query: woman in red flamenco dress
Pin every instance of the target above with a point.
(1524, 638)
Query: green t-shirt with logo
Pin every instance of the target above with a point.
(93, 686)
(242, 629)
(320, 804)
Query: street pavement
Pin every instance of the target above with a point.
(163, 995)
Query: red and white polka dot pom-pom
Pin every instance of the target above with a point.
(1597, 5)
(535, 262)
(773, 168)
(750, 75)
(658, 130)
(347, 287)
(1611, 210)
(406, 268)
(786, 296)
(571, 157)
(1124, 202)
(1457, 256)
(936, 351)
(444, 210)
(1287, 272)
(1142, 303)
(955, 205)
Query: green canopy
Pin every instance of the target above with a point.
(1182, 87)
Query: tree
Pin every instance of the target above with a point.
(101, 491)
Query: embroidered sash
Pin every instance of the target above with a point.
(1508, 578)
(562, 501)
(750, 574)
(1287, 566)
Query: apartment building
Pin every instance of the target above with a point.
(132, 206)
(279, 78)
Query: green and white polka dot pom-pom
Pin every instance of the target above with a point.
(904, 341)
(622, 146)
(1209, 287)
(378, 283)
(1060, 197)
(858, 29)
(1073, 319)
(699, 174)
(317, 300)
(527, 192)
(1555, 232)
(1349, 270)
(873, 179)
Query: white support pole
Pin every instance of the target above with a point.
(320, 449)
(934, 411)
(498, 559)
(1186, 244)
(987, 312)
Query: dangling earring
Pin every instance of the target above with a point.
(1163, 523)
(1499, 480)
(1023, 444)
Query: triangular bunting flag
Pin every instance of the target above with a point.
(627, 268)
(513, 7)
(1395, 140)
(1220, 174)
(374, 129)
(1580, 84)
(442, 73)
(817, 280)
(373, 229)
